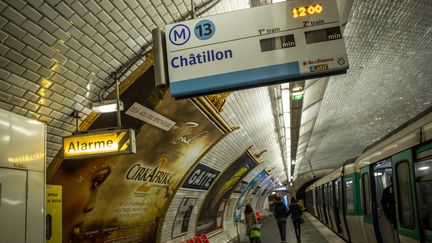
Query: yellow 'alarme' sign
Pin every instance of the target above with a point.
(98, 144)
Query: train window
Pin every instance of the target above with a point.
(330, 194)
(336, 191)
(325, 195)
(349, 196)
(366, 194)
(317, 201)
(405, 206)
(423, 170)
(339, 196)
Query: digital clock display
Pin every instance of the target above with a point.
(307, 10)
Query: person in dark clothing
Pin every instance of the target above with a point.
(281, 213)
(388, 204)
(296, 212)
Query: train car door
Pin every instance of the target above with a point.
(341, 206)
(324, 203)
(330, 209)
(334, 195)
(423, 176)
(13, 205)
(366, 203)
(405, 200)
(385, 223)
(318, 202)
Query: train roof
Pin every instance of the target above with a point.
(347, 168)
(412, 133)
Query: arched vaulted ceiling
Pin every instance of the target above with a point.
(388, 83)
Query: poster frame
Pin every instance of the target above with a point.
(253, 158)
(177, 213)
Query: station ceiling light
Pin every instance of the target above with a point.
(106, 106)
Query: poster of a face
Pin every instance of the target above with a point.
(121, 198)
(181, 222)
(220, 192)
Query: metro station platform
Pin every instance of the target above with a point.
(312, 231)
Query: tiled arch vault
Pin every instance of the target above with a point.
(56, 56)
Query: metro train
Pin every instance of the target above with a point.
(355, 200)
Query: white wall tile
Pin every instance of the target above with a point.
(13, 55)
(14, 30)
(16, 91)
(13, 15)
(64, 9)
(15, 68)
(48, 11)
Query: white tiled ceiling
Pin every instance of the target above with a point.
(251, 109)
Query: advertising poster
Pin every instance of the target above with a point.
(256, 190)
(241, 202)
(231, 206)
(201, 178)
(54, 213)
(221, 210)
(181, 222)
(210, 218)
(121, 198)
(258, 198)
(241, 187)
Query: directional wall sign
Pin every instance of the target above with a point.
(291, 40)
(99, 144)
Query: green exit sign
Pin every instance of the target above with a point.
(297, 97)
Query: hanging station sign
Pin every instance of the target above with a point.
(281, 42)
(99, 144)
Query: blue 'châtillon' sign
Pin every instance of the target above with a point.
(288, 41)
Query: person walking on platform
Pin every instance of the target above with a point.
(252, 227)
(281, 213)
(296, 212)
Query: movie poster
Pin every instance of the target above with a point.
(122, 198)
(181, 221)
(246, 193)
(210, 216)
